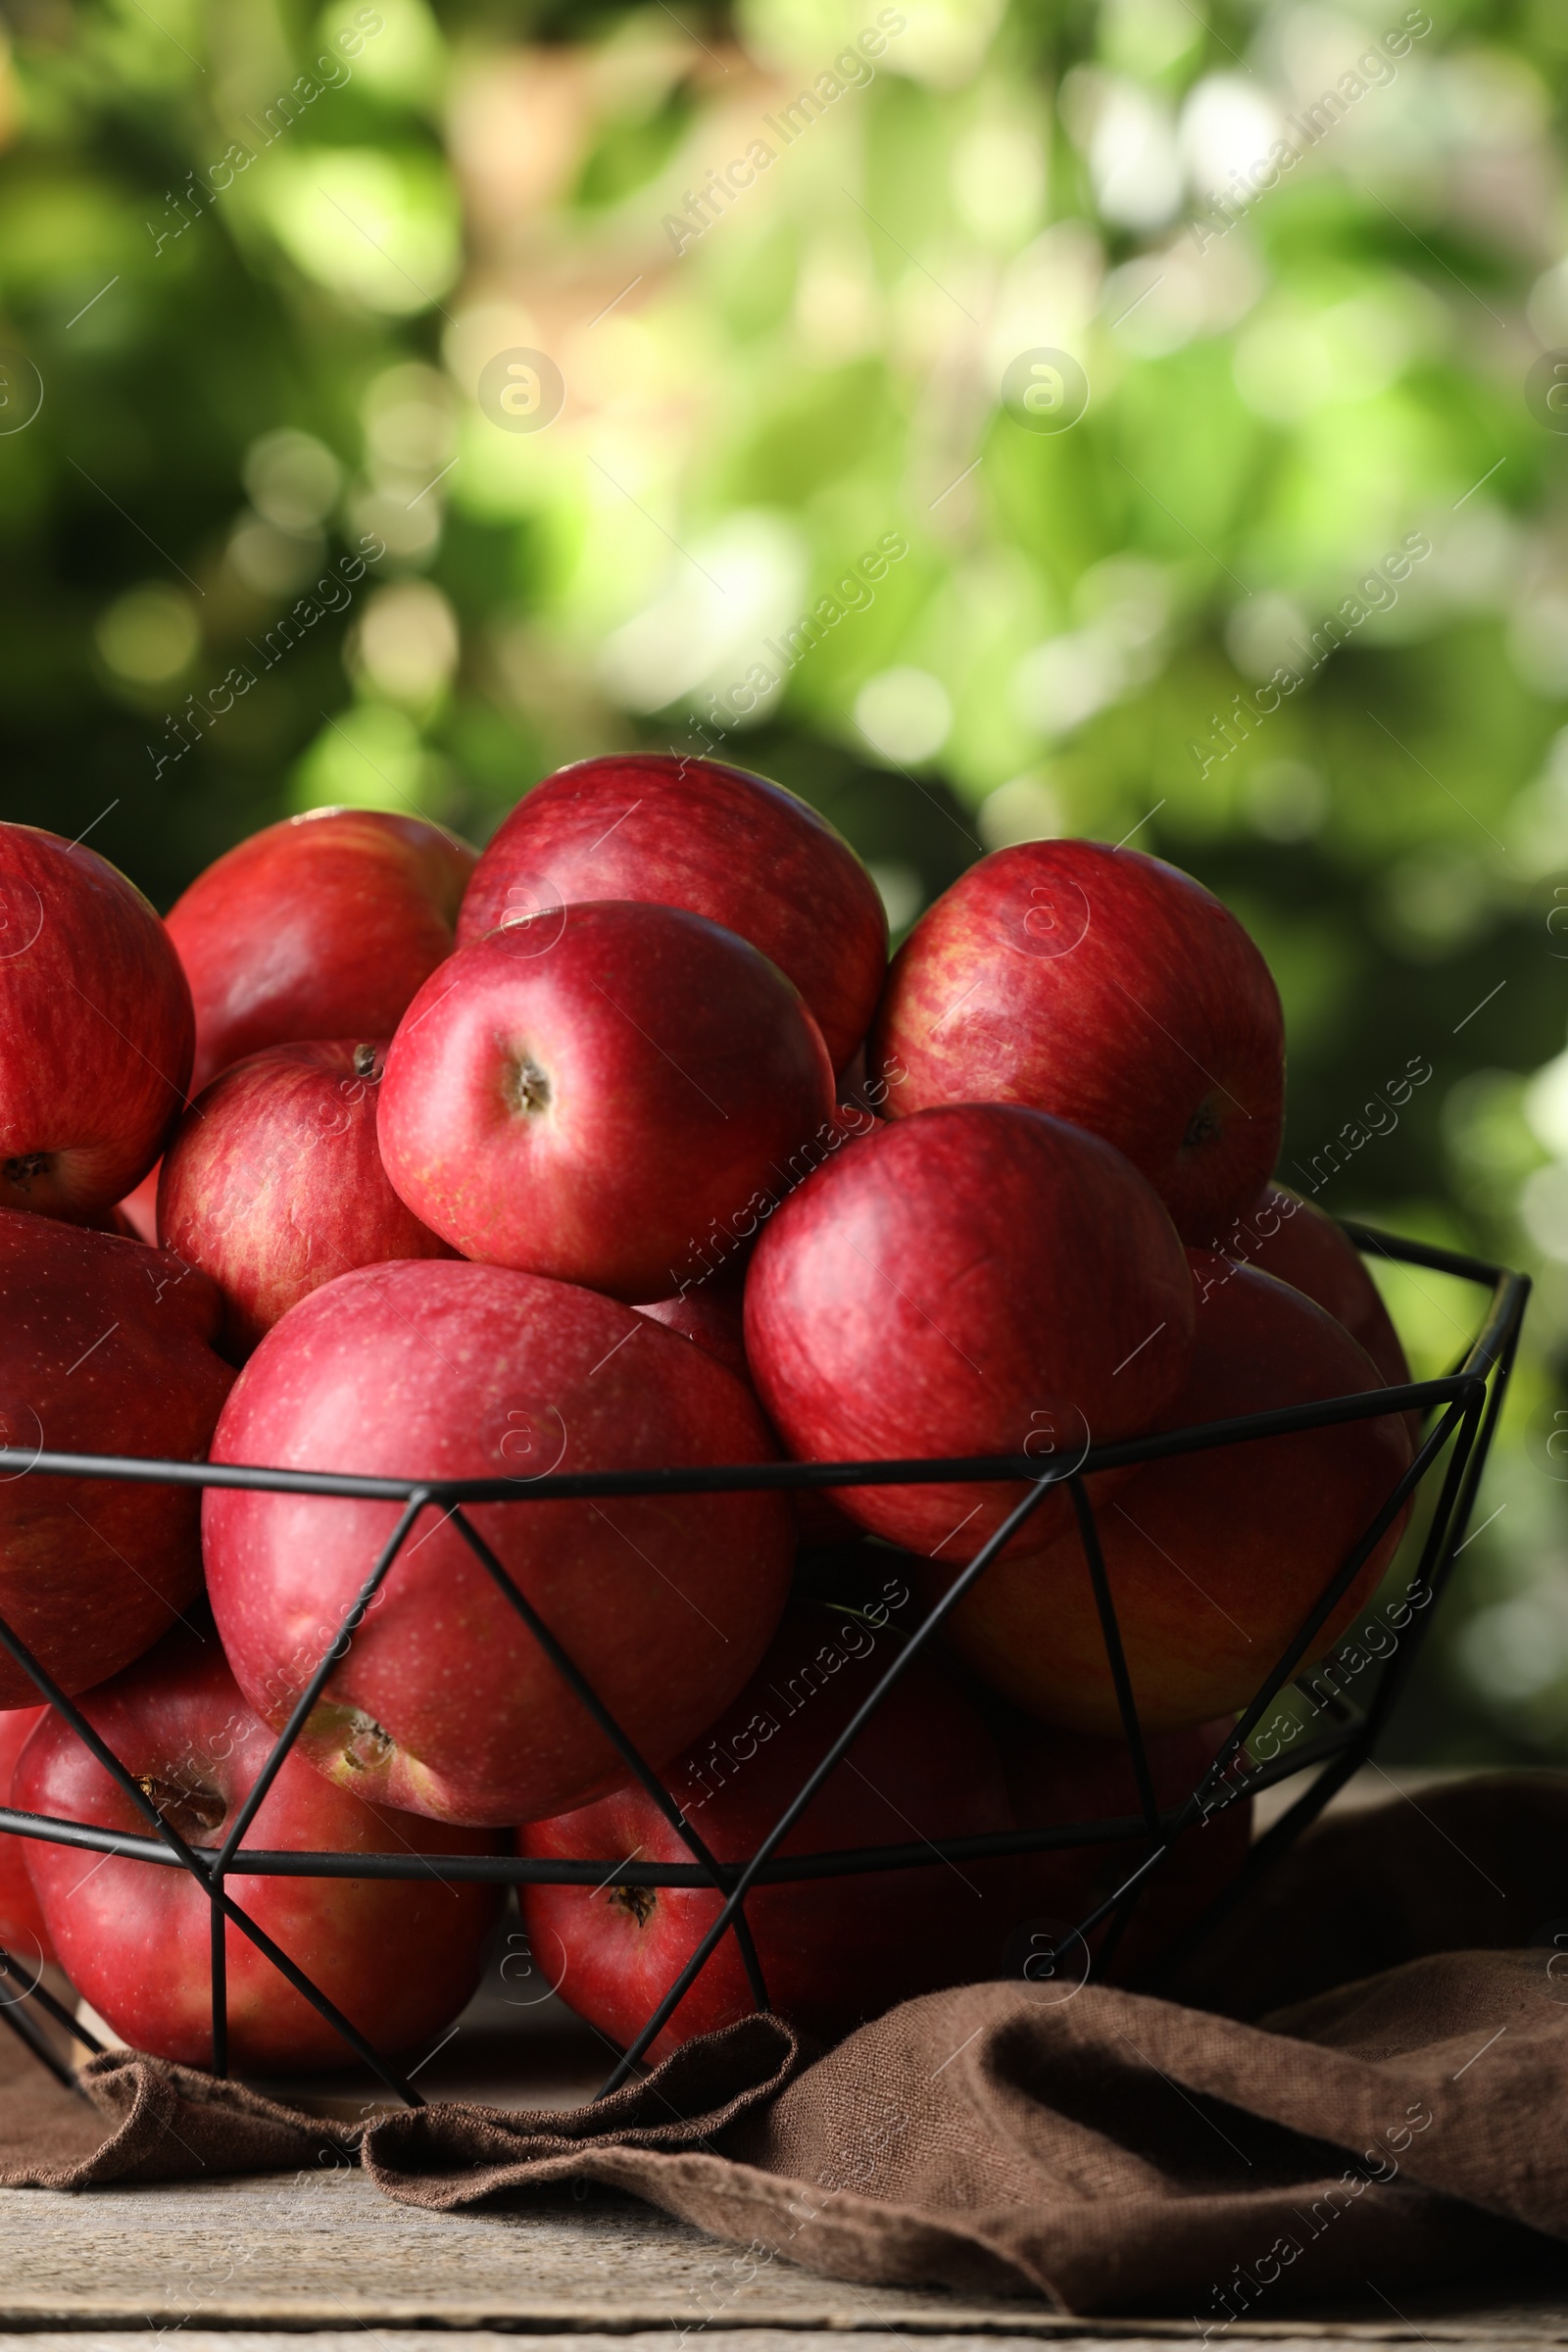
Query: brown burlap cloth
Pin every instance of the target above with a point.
(1396, 2113)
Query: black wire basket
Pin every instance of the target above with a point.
(1459, 1414)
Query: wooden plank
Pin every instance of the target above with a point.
(411, 2331)
(297, 2333)
(329, 2251)
(327, 2254)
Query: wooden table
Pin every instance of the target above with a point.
(248, 2263)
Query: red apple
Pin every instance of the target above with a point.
(274, 1183)
(115, 1220)
(398, 1957)
(708, 1307)
(107, 1352)
(712, 1317)
(1059, 1776)
(972, 1281)
(95, 1028)
(712, 839)
(445, 1703)
(1214, 1557)
(711, 1320)
(833, 1950)
(22, 1926)
(596, 1094)
(139, 1208)
(322, 926)
(1108, 989)
(1294, 1240)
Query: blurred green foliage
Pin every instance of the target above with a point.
(258, 261)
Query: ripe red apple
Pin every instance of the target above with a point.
(1294, 1240)
(322, 926)
(712, 839)
(714, 1315)
(1057, 1777)
(115, 1220)
(709, 1306)
(1215, 1557)
(273, 1183)
(398, 1957)
(105, 1351)
(833, 1950)
(589, 1095)
(712, 1319)
(139, 1208)
(22, 1924)
(445, 1704)
(1108, 989)
(95, 1028)
(975, 1280)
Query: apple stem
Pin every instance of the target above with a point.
(532, 1085)
(640, 1901)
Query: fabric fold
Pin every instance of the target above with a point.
(1107, 2150)
(172, 2123)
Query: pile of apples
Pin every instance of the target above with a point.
(624, 1148)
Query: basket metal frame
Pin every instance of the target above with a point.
(1461, 1407)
